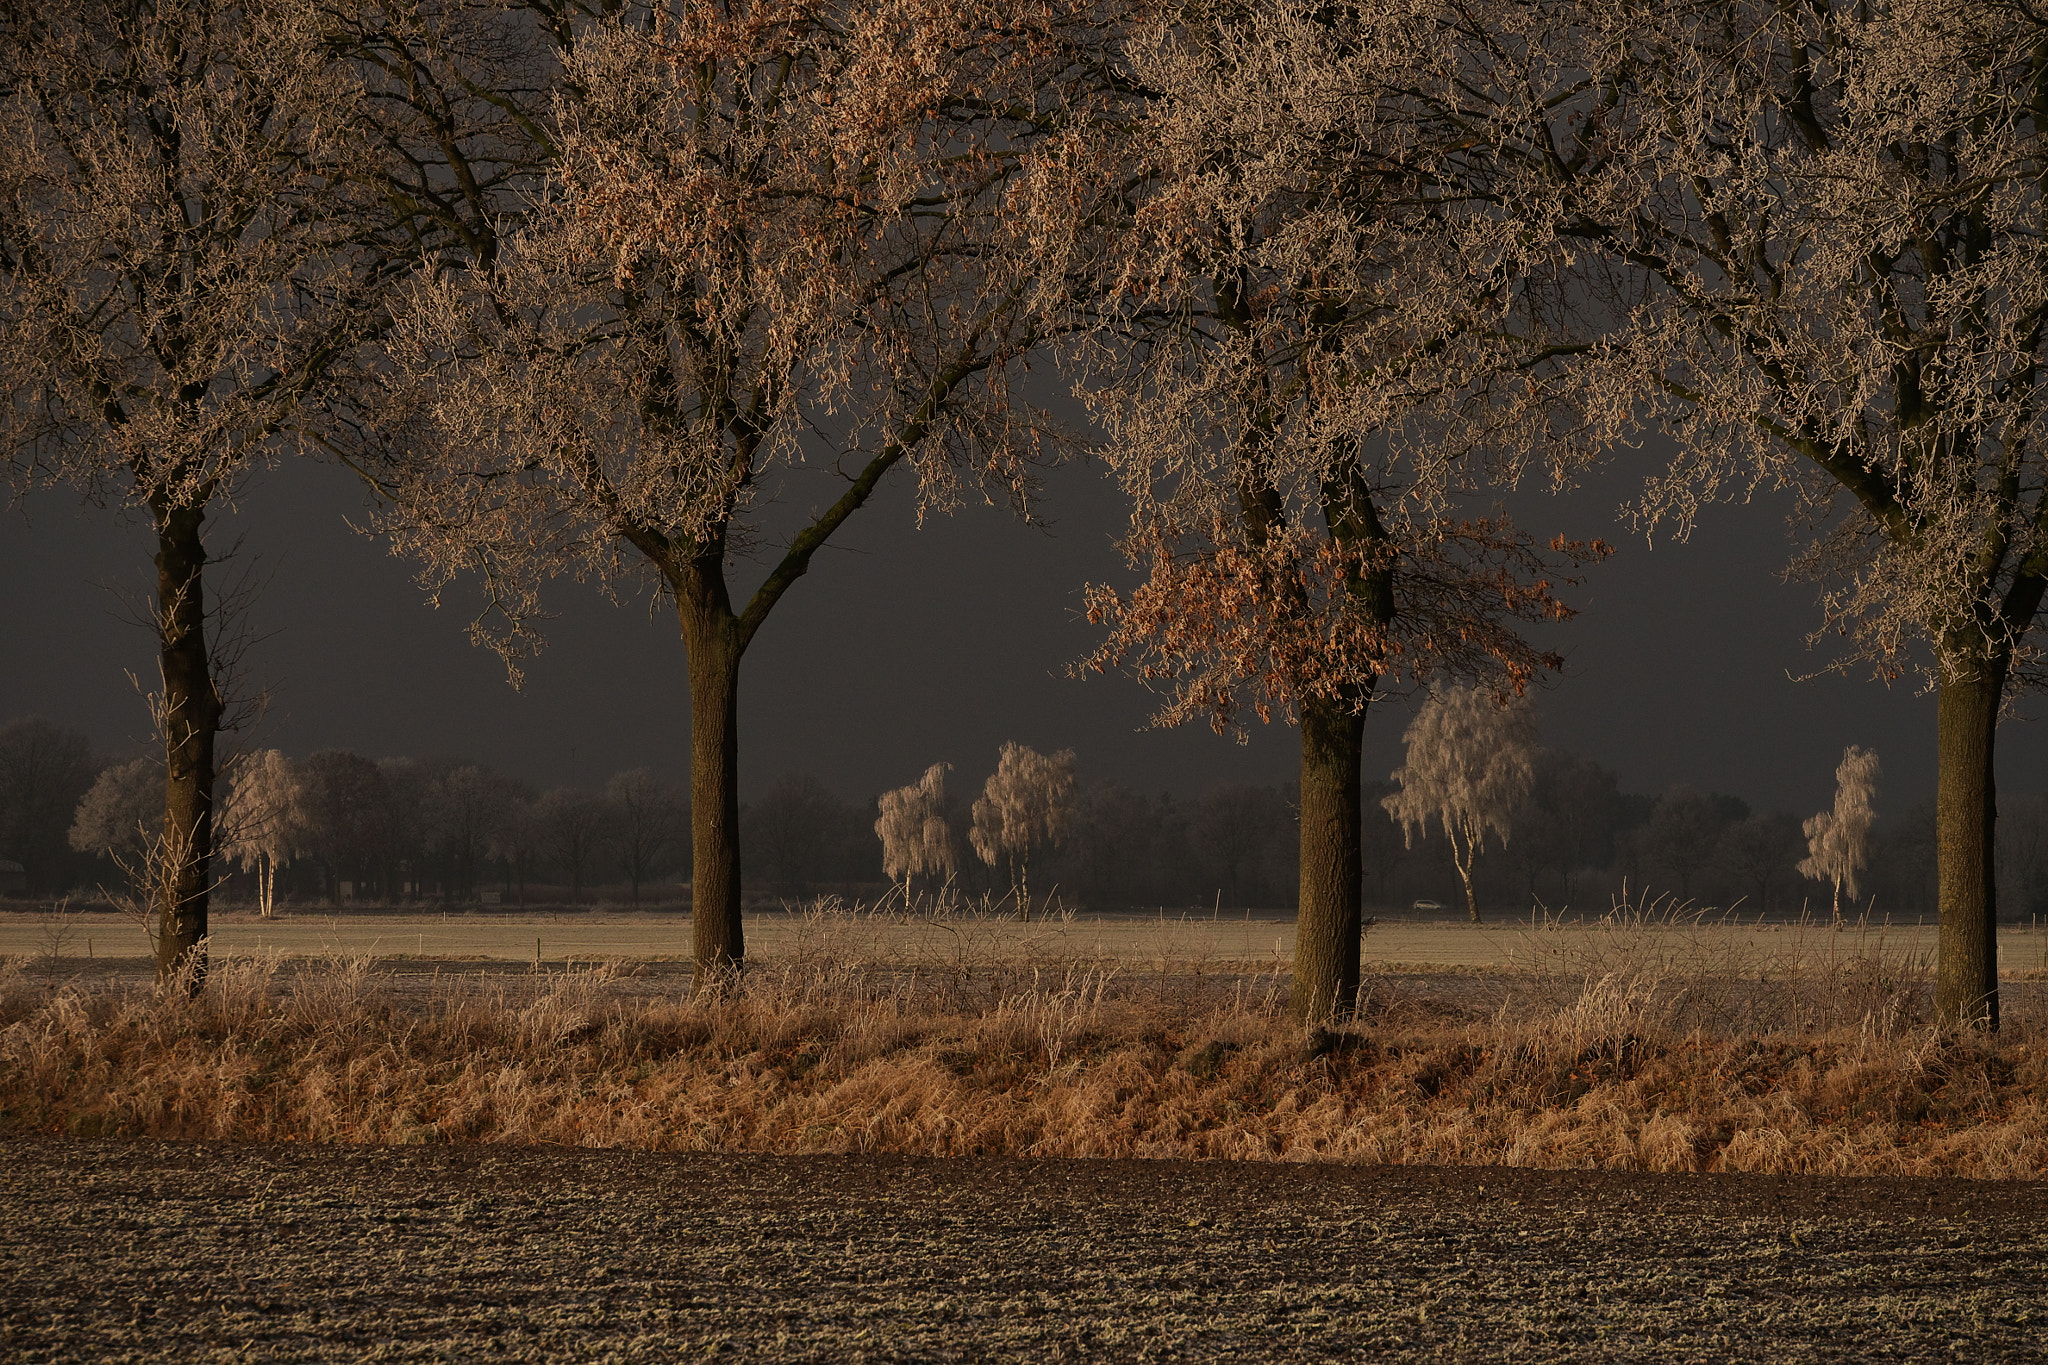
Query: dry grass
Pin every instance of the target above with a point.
(1613, 1059)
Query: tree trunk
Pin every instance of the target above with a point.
(1328, 925)
(1966, 809)
(720, 944)
(1462, 860)
(191, 719)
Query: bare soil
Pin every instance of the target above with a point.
(148, 1250)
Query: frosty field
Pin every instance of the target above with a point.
(1132, 942)
(146, 1251)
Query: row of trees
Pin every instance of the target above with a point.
(575, 288)
(398, 828)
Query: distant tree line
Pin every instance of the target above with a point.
(353, 828)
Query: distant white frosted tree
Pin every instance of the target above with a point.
(122, 813)
(1838, 840)
(121, 818)
(267, 821)
(916, 839)
(1028, 802)
(1471, 763)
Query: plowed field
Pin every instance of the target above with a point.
(139, 1250)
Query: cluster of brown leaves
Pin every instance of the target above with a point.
(1233, 621)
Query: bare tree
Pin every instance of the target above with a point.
(917, 839)
(45, 771)
(1471, 763)
(1568, 823)
(1762, 850)
(1027, 803)
(571, 826)
(346, 799)
(464, 810)
(773, 223)
(793, 829)
(1838, 840)
(649, 815)
(517, 842)
(179, 293)
(265, 822)
(1684, 832)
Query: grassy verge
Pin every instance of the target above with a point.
(1611, 1057)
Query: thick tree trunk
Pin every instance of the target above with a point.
(191, 720)
(1329, 924)
(714, 797)
(1966, 809)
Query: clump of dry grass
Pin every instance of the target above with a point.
(1624, 1062)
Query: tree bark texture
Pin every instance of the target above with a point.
(720, 939)
(181, 875)
(1329, 925)
(1463, 858)
(1966, 811)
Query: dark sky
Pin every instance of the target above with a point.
(906, 646)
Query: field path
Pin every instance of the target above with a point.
(141, 1250)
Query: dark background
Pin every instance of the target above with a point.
(911, 645)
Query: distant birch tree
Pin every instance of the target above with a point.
(1470, 765)
(267, 820)
(1323, 353)
(768, 223)
(178, 294)
(1027, 803)
(917, 839)
(1838, 840)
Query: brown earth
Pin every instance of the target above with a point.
(146, 1250)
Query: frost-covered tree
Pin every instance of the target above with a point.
(1337, 346)
(778, 236)
(917, 839)
(1470, 764)
(1815, 229)
(121, 818)
(1026, 804)
(266, 821)
(179, 291)
(1838, 840)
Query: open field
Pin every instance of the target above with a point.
(900, 1141)
(147, 1251)
(1132, 941)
